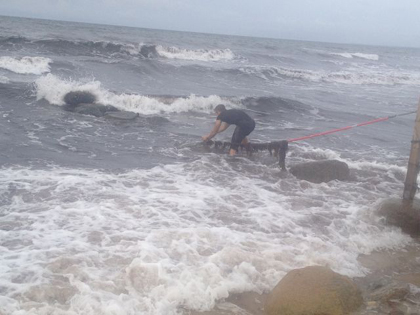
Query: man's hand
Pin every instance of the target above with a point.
(213, 132)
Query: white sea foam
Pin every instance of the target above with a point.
(357, 55)
(347, 55)
(350, 76)
(4, 80)
(199, 54)
(172, 237)
(26, 65)
(53, 89)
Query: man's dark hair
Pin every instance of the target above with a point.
(220, 108)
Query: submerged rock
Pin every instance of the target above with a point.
(405, 215)
(75, 98)
(97, 110)
(157, 120)
(122, 115)
(314, 290)
(321, 171)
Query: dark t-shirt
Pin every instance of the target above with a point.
(236, 117)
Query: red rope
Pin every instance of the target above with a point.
(347, 128)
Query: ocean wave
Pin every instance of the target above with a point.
(67, 46)
(199, 54)
(112, 49)
(356, 77)
(166, 239)
(53, 89)
(4, 80)
(347, 55)
(26, 65)
(357, 55)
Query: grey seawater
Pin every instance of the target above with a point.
(102, 216)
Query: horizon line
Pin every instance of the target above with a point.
(209, 33)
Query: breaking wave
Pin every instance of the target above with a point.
(26, 65)
(357, 55)
(348, 55)
(199, 54)
(161, 240)
(111, 49)
(4, 80)
(358, 77)
(53, 89)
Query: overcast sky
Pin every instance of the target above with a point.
(375, 22)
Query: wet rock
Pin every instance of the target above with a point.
(314, 290)
(396, 294)
(121, 115)
(90, 109)
(375, 285)
(75, 98)
(321, 171)
(97, 110)
(83, 102)
(401, 214)
(390, 294)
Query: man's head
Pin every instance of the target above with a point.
(219, 109)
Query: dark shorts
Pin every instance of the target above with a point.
(240, 133)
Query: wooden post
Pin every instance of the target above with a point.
(410, 185)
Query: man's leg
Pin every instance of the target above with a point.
(247, 131)
(236, 141)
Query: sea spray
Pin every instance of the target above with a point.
(26, 65)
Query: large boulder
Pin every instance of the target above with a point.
(75, 98)
(321, 171)
(313, 290)
(403, 214)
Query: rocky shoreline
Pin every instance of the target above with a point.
(393, 284)
(392, 287)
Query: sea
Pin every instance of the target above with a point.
(108, 216)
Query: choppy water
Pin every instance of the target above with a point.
(107, 217)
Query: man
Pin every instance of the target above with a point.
(244, 126)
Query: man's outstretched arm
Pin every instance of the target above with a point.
(214, 131)
(223, 127)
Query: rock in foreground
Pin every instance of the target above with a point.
(321, 171)
(313, 290)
